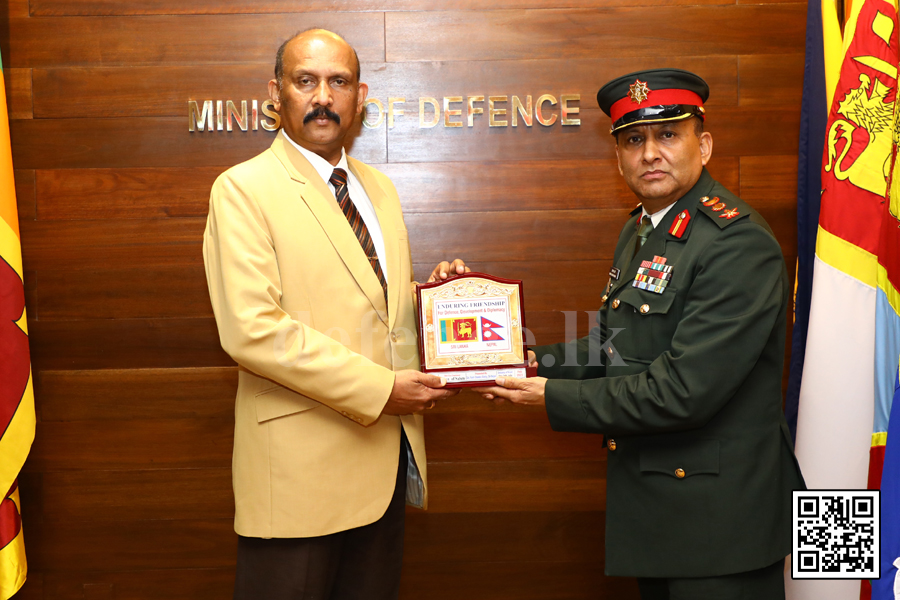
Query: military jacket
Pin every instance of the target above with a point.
(682, 373)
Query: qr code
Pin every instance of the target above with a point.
(836, 534)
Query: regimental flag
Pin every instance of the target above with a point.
(16, 396)
(489, 331)
(463, 329)
(838, 390)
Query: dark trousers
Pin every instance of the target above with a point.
(357, 564)
(763, 584)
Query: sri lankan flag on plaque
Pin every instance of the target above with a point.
(16, 396)
(464, 329)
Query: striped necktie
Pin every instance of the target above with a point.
(339, 181)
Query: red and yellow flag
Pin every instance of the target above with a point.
(16, 395)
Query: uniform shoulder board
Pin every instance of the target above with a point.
(636, 209)
(724, 208)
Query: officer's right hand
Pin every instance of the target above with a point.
(532, 359)
(415, 392)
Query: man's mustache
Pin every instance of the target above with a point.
(321, 111)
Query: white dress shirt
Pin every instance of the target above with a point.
(656, 217)
(357, 195)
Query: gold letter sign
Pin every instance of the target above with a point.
(449, 111)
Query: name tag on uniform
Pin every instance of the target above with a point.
(614, 273)
(653, 275)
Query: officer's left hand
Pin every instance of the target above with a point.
(445, 270)
(527, 392)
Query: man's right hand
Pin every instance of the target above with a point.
(414, 392)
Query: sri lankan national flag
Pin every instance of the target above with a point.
(463, 329)
(16, 395)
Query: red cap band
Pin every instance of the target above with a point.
(655, 98)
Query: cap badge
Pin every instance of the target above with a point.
(638, 91)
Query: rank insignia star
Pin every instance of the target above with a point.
(730, 214)
(718, 206)
(638, 91)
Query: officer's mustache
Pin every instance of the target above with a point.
(321, 111)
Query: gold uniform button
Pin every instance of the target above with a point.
(615, 303)
(645, 308)
(679, 473)
(611, 444)
(604, 298)
(393, 336)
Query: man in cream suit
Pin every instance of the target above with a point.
(309, 271)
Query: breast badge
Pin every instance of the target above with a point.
(653, 276)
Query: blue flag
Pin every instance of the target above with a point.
(813, 123)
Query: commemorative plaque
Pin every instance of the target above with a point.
(472, 329)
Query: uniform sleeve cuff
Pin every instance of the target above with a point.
(563, 404)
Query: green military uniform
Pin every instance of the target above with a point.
(688, 393)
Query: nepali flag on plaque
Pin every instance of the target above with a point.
(489, 331)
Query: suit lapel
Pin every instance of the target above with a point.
(318, 197)
(388, 232)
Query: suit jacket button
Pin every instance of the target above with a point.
(615, 303)
(393, 336)
(645, 308)
(611, 444)
(679, 473)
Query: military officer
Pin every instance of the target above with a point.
(688, 389)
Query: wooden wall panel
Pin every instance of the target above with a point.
(163, 91)
(172, 584)
(124, 293)
(174, 7)
(590, 140)
(18, 93)
(147, 193)
(127, 492)
(162, 141)
(537, 485)
(25, 194)
(771, 79)
(632, 31)
(494, 580)
(137, 193)
(111, 243)
(167, 40)
(150, 142)
(148, 444)
(121, 394)
(126, 344)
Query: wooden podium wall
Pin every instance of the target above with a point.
(126, 493)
